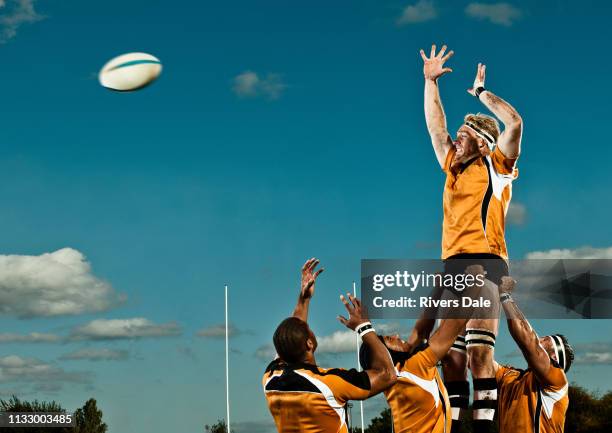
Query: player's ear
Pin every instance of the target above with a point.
(483, 147)
(311, 344)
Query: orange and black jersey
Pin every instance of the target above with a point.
(304, 398)
(418, 400)
(476, 198)
(528, 404)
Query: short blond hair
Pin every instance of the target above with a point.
(487, 123)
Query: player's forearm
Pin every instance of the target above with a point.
(521, 331)
(434, 111)
(301, 309)
(502, 109)
(382, 372)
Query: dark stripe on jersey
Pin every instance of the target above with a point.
(487, 197)
(538, 414)
(466, 164)
(291, 381)
(443, 407)
(480, 332)
(360, 379)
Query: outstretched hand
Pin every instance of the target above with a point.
(309, 277)
(433, 66)
(479, 81)
(357, 315)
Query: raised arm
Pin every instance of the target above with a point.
(309, 277)
(509, 141)
(433, 68)
(382, 372)
(522, 332)
(446, 334)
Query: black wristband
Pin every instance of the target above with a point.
(478, 91)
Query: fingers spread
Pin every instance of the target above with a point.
(318, 272)
(314, 263)
(433, 51)
(348, 306)
(448, 55)
(442, 51)
(307, 264)
(343, 320)
(423, 56)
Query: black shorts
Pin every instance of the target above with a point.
(494, 265)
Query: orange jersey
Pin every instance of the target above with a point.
(476, 198)
(527, 404)
(418, 400)
(305, 398)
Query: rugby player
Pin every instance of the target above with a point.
(305, 398)
(480, 165)
(419, 401)
(536, 399)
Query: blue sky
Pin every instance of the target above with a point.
(204, 179)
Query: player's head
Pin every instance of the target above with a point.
(476, 136)
(559, 350)
(294, 341)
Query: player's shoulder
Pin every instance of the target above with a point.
(354, 377)
(509, 373)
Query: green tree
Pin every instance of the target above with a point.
(88, 419)
(14, 404)
(218, 427)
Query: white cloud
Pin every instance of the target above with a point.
(218, 331)
(52, 284)
(578, 253)
(96, 355)
(116, 329)
(597, 353)
(497, 13)
(14, 368)
(338, 342)
(15, 13)
(517, 213)
(32, 337)
(251, 85)
(421, 11)
(265, 352)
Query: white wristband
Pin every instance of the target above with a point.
(367, 331)
(362, 325)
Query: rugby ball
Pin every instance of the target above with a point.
(130, 72)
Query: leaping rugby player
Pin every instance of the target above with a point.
(536, 399)
(305, 398)
(480, 165)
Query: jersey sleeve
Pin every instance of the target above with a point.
(501, 373)
(422, 364)
(502, 164)
(449, 159)
(347, 384)
(554, 379)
